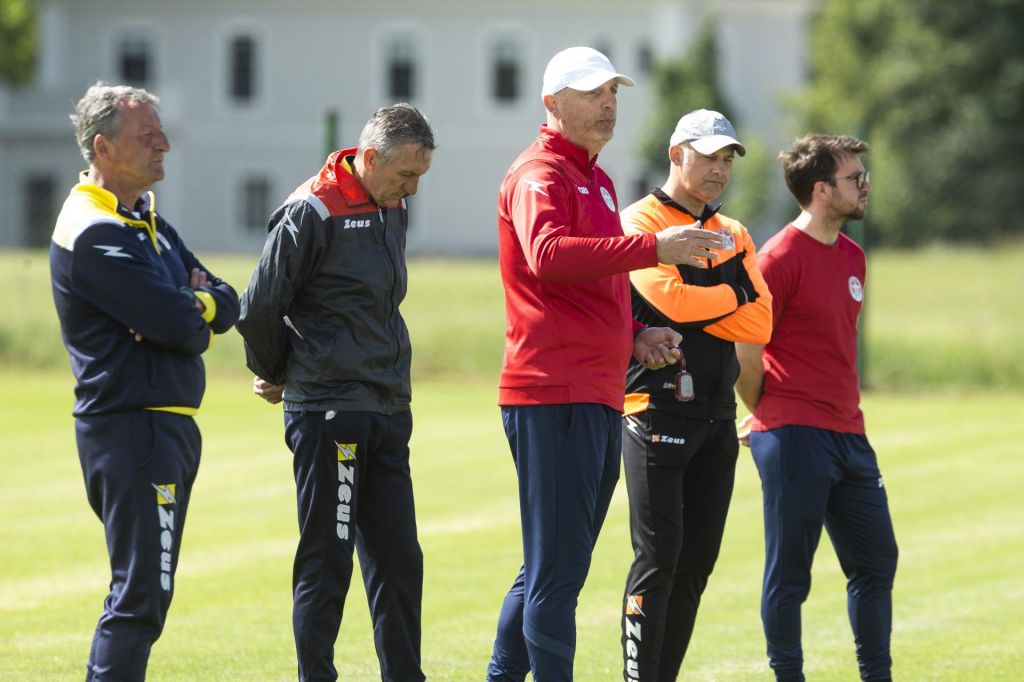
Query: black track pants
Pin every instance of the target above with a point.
(679, 475)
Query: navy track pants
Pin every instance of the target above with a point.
(812, 477)
(567, 460)
(354, 490)
(139, 468)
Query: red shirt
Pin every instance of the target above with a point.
(810, 363)
(564, 259)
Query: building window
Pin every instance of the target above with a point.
(401, 71)
(506, 71)
(605, 48)
(642, 186)
(40, 193)
(134, 63)
(242, 62)
(645, 58)
(255, 203)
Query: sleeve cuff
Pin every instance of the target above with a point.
(209, 305)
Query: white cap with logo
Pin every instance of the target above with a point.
(707, 131)
(579, 68)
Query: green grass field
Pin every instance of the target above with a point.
(952, 467)
(940, 318)
(943, 326)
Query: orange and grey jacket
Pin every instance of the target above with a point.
(712, 308)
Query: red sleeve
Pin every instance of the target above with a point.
(779, 281)
(543, 208)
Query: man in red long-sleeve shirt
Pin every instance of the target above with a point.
(568, 339)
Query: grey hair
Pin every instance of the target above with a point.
(99, 113)
(394, 126)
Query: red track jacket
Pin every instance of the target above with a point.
(564, 259)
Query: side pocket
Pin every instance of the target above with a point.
(141, 437)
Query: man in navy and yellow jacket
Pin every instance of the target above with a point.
(679, 451)
(137, 310)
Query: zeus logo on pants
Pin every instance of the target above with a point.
(164, 499)
(634, 608)
(166, 544)
(346, 478)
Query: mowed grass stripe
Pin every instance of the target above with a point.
(950, 463)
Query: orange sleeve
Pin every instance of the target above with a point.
(662, 286)
(752, 322)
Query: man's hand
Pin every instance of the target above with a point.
(270, 392)
(196, 280)
(743, 430)
(688, 245)
(656, 347)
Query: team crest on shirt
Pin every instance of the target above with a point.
(728, 244)
(607, 196)
(856, 290)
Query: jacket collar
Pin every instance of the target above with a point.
(337, 172)
(108, 202)
(709, 209)
(555, 142)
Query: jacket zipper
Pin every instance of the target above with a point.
(392, 277)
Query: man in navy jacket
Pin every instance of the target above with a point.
(137, 310)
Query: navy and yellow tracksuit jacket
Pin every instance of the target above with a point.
(116, 273)
(712, 308)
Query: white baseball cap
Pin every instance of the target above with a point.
(707, 131)
(579, 68)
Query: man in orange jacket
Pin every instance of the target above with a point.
(679, 445)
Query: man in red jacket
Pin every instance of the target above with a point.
(568, 339)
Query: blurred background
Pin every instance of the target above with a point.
(254, 93)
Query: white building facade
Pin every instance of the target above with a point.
(247, 87)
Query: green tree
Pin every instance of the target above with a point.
(937, 89)
(682, 84)
(17, 41)
(691, 82)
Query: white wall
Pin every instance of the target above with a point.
(320, 54)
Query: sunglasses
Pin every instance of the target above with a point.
(859, 179)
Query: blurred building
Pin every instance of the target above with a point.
(247, 88)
